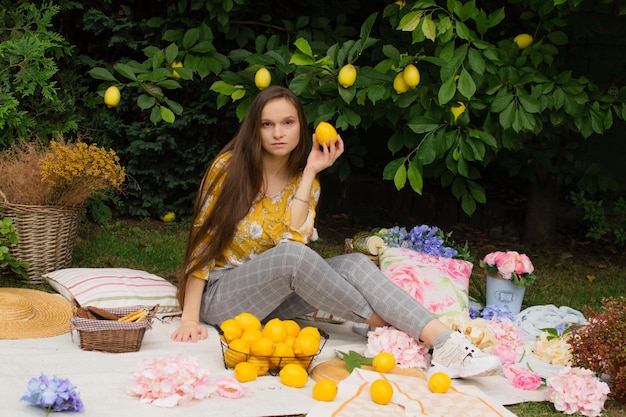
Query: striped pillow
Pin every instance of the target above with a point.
(113, 287)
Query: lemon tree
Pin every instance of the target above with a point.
(520, 99)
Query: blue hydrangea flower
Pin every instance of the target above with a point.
(53, 394)
(425, 239)
(497, 311)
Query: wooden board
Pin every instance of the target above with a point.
(336, 370)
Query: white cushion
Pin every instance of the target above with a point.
(113, 287)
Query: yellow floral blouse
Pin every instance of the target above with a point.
(265, 226)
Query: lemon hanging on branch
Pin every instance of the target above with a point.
(458, 110)
(347, 75)
(112, 96)
(411, 76)
(399, 84)
(168, 217)
(262, 78)
(523, 40)
(176, 64)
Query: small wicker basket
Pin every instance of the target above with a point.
(46, 235)
(275, 362)
(113, 336)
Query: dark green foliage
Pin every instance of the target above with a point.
(604, 219)
(33, 96)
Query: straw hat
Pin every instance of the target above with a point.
(30, 314)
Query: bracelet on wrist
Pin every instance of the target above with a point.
(301, 199)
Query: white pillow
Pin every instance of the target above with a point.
(113, 287)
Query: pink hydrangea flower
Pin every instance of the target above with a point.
(521, 378)
(577, 391)
(409, 353)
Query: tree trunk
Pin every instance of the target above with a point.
(540, 227)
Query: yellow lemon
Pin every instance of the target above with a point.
(238, 351)
(381, 391)
(306, 345)
(411, 75)
(262, 364)
(251, 335)
(275, 330)
(325, 133)
(347, 75)
(312, 331)
(232, 329)
(290, 341)
(324, 390)
(283, 354)
(112, 96)
(176, 64)
(399, 84)
(458, 110)
(262, 347)
(293, 328)
(262, 78)
(293, 375)
(523, 40)
(245, 372)
(168, 217)
(248, 321)
(439, 382)
(384, 362)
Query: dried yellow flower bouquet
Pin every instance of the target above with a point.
(60, 174)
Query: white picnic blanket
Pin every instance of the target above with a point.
(103, 378)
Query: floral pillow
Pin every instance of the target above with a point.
(439, 284)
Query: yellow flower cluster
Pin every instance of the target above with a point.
(72, 172)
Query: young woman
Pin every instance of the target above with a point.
(247, 252)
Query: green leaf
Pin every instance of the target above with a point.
(466, 85)
(304, 47)
(125, 70)
(390, 169)
(476, 61)
(462, 31)
(167, 114)
(447, 91)
(171, 52)
(301, 59)
(399, 179)
(102, 74)
(155, 115)
(410, 21)
(190, 38)
(429, 29)
(415, 179)
(145, 101)
(501, 102)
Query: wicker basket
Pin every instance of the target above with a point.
(350, 249)
(276, 362)
(113, 336)
(46, 235)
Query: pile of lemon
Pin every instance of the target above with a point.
(254, 349)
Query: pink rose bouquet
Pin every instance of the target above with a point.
(409, 353)
(577, 391)
(510, 265)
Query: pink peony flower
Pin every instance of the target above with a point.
(505, 353)
(409, 353)
(406, 277)
(229, 388)
(521, 378)
(577, 390)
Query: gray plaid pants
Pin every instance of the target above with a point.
(292, 279)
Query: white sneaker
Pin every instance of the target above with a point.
(459, 358)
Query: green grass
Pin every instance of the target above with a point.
(574, 277)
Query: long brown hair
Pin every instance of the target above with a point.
(243, 179)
